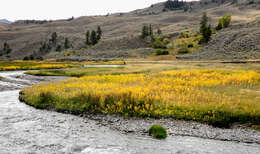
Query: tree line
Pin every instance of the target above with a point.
(93, 37)
(175, 4)
(147, 31)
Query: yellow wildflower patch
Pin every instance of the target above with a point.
(201, 95)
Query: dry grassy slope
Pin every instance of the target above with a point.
(120, 30)
(237, 42)
(240, 41)
(3, 26)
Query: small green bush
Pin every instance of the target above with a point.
(157, 131)
(183, 50)
(161, 52)
(26, 58)
(190, 45)
(158, 44)
(185, 35)
(59, 48)
(39, 58)
(224, 22)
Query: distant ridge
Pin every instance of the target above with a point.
(5, 21)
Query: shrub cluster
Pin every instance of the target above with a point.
(224, 22)
(183, 50)
(161, 52)
(160, 42)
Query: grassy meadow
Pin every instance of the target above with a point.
(80, 72)
(214, 93)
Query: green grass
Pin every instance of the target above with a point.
(157, 131)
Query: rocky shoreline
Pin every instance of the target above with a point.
(237, 133)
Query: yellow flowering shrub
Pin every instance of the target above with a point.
(200, 95)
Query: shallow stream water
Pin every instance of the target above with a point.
(24, 129)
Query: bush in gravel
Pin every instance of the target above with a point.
(157, 131)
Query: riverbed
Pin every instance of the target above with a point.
(24, 129)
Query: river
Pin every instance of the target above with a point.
(24, 129)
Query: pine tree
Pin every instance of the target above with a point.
(205, 29)
(208, 34)
(54, 38)
(150, 30)
(99, 33)
(7, 48)
(88, 38)
(203, 23)
(66, 43)
(145, 31)
(93, 37)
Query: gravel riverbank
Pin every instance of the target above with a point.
(237, 133)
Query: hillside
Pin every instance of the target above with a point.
(121, 30)
(237, 42)
(3, 26)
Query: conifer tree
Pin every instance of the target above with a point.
(88, 38)
(203, 23)
(205, 29)
(150, 30)
(99, 33)
(66, 43)
(7, 48)
(145, 31)
(93, 37)
(54, 38)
